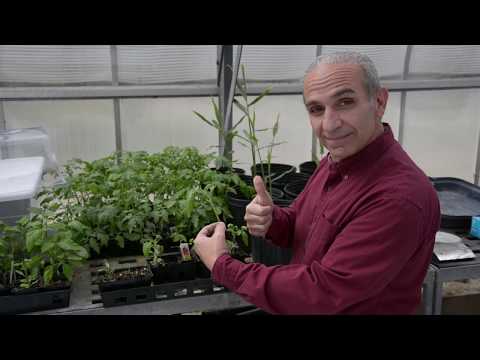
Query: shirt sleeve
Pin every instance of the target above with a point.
(362, 260)
(282, 228)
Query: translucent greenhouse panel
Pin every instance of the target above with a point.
(276, 62)
(444, 60)
(55, 64)
(392, 113)
(76, 128)
(153, 124)
(441, 131)
(162, 64)
(389, 59)
(294, 128)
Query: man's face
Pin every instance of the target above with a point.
(340, 112)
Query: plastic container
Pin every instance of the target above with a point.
(25, 143)
(475, 228)
(459, 201)
(19, 182)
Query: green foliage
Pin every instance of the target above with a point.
(250, 139)
(168, 194)
(218, 123)
(234, 235)
(153, 249)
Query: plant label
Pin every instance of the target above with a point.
(185, 251)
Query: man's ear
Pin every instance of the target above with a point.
(381, 102)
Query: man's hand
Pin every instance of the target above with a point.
(258, 213)
(210, 244)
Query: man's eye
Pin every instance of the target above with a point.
(345, 102)
(316, 110)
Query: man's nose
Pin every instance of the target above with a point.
(331, 120)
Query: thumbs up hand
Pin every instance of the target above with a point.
(258, 213)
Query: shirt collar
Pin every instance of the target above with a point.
(367, 155)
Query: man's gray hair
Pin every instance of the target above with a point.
(372, 82)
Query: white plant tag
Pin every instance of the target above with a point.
(185, 251)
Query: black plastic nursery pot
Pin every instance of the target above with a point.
(288, 178)
(224, 170)
(178, 270)
(238, 202)
(276, 169)
(294, 189)
(308, 167)
(266, 253)
(23, 302)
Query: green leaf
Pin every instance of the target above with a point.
(33, 238)
(82, 252)
(67, 245)
(94, 245)
(218, 115)
(238, 122)
(68, 271)
(48, 274)
(47, 247)
(120, 241)
(241, 107)
(103, 239)
(204, 119)
(259, 97)
(147, 248)
(275, 126)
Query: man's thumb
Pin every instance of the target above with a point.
(220, 228)
(263, 196)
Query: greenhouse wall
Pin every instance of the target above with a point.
(440, 128)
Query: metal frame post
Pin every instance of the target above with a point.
(225, 62)
(228, 73)
(314, 137)
(403, 99)
(476, 174)
(116, 101)
(3, 121)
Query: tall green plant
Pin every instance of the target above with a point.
(250, 138)
(218, 123)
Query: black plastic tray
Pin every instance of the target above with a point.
(160, 292)
(37, 301)
(459, 201)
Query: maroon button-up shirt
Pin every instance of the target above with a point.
(362, 234)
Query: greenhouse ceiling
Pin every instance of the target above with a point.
(122, 71)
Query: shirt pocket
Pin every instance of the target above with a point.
(320, 239)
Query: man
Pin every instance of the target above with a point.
(362, 231)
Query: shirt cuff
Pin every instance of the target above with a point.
(224, 271)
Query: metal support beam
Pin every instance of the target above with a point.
(3, 121)
(116, 101)
(225, 62)
(314, 137)
(476, 174)
(197, 90)
(3, 126)
(227, 83)
(403, 98)
(228, 113)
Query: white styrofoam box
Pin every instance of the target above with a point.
(20, 178)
